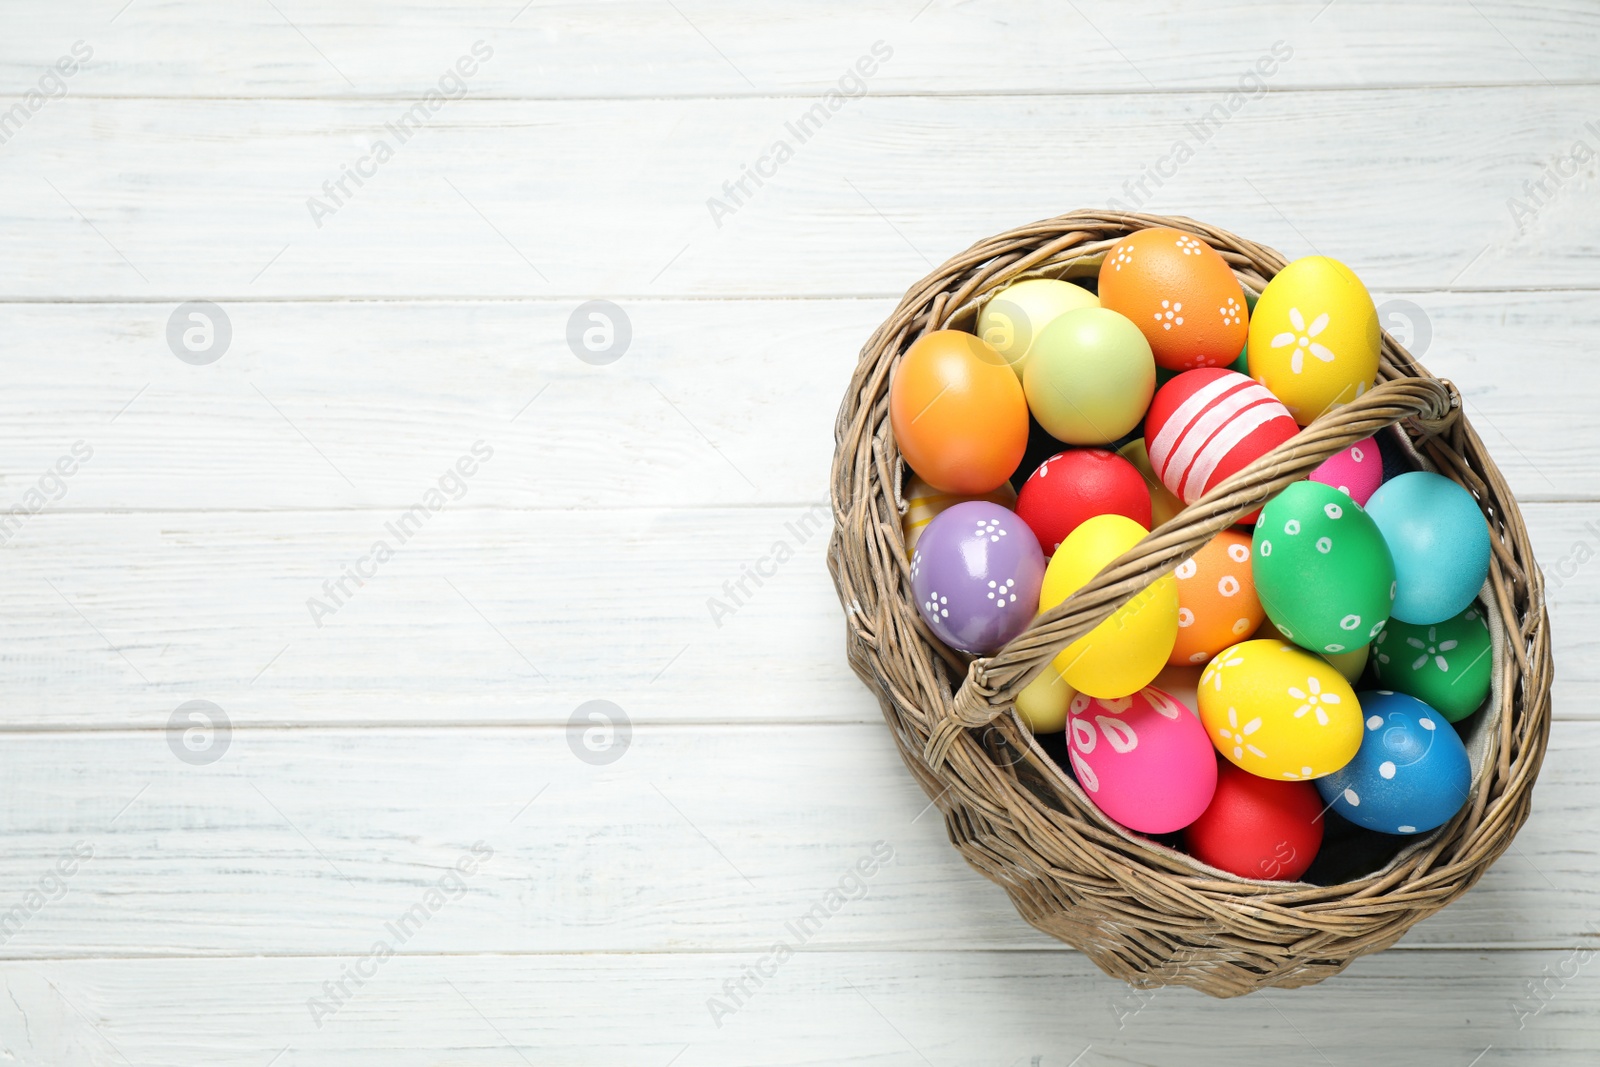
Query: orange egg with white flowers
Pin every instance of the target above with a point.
(1181, 294)
(1217, 602)
(958, 412)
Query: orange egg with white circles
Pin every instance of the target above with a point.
(1217, 602)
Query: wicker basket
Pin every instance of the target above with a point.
(1143, 912)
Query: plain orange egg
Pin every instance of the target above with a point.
(958, 412)
(1181, 294)
(1217, 603)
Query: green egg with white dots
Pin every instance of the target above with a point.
(1322, 569)
(1446, 665)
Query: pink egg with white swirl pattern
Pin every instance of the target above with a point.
(1144, 759)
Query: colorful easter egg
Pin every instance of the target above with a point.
(1205, 425)
(1411, 774)
(1041, 446)
(1217, 604)
(1322, 569)
(1079, 484)
(976, 575)
(1181, 294)
(1258, 827)
(1447, 665)
(1357, 471)
(1089, 376)
(1278, 711)
(1182, 684)
(958, 414)
(923, 502)
(1013, 317)
(1128, 649)
(1042, 703)
(1439, 541)
(1314, 337)
(1142, 759)
(1242, 364)
(1163, 505)
(1350, 664)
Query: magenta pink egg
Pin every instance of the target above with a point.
(1143, 759)
(1357, 471)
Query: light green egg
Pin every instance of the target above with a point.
(1016, 315)
(1089, 376)
(1446, 665)
(1322, 569)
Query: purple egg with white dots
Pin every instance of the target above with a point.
(976, 574)
(1411, 773)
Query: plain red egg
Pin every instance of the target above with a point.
(1258, 827)
(958, 413)
(1079, 484)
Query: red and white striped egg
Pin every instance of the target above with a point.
(1205, 425)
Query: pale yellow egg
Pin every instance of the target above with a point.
(924, 503)
(1042, 704)
(1350, 664)
(1014, 316)
(1163, 504)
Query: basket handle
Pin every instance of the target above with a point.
(993, 682)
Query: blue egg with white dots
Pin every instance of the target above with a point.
(1411, 773)
(1439, 542)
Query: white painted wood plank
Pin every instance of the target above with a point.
(729, 403)
(697, 839)
(718, 47)
(826, 1009)
(190, 199)
(490, 616)
(483, 616)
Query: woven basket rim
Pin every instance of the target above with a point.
(1143, 912)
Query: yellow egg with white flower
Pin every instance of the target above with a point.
(1314, 337)
(1278, 711)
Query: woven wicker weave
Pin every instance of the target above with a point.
(1145, 913)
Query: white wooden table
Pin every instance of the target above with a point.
(284, 888)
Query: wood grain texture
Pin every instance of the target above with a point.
(491, 616)
(430, 710)
(209, 199)
(346, 830)
(872, 1009)
(722, 48)
(727, 403)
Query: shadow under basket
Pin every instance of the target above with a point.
(1142, 911)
